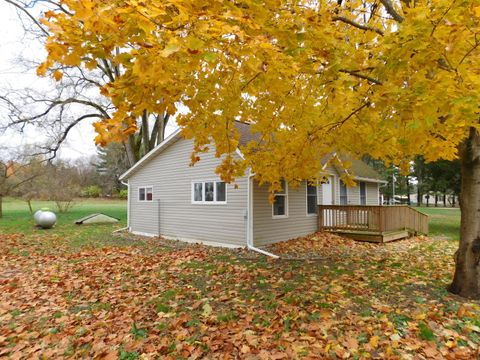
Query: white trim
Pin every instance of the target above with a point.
(144, 187)
(153, 152)
(129, 198)
(203, 202)
(306, 199)
(364, 179)
(379, 202)
(285, 194)
(239, 153)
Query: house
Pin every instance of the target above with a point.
(168, 197)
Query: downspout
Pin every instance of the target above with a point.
(127, 184)
(249, 220)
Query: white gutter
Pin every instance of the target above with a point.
(249, 227)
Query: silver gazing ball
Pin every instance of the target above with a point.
(47, 219)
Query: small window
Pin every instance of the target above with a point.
(209, 192)
(280, 201)
(363, 193)
(311, 199)
(221, 191)
(198, 192)
(145, 193)
(343, 193)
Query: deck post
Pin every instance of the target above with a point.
(320, 218)
(381, 225)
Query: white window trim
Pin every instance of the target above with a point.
(203, 202)
(285, 193)
(306, 199)
(144, 187)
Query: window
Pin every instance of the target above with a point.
(363, 193)
(279, 207)
(145, 193)
(209, 192)
(343, 193)
(311, 199)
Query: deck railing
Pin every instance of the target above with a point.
(372, 218)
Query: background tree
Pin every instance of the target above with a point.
(17, 173)
(111, 163)
(75, 98)
(390, 79)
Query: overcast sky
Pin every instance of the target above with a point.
(13, 44)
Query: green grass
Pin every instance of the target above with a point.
(444, 222)
(17, 219)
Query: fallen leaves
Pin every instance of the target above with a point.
(361, 301)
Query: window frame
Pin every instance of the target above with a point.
(284, 194)
(340, 185)
(203, 202)
(363, 199)
(144, 187)
(307, 195)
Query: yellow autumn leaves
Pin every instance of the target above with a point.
(312, 79)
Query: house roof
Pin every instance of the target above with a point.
(360, 169)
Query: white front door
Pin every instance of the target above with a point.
(327, 199)
(327, 192)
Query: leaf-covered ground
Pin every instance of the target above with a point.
(134, 298)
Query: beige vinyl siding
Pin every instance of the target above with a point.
(172, 213)
(268, 230)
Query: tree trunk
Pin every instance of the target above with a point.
(29, 202)
(466, 281)
(1, 206)
(445, 198)
(436, 200)
(130, 151)
(419, 196)
(453, 199)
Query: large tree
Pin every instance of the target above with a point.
(391, 79)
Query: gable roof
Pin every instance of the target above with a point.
(360, 169)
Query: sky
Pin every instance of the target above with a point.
(13, 43)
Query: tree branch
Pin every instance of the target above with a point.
(35, 21)
(357, 25)
(361, 76)
(391, 10)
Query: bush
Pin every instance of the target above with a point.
(93, 191)
(123, 194)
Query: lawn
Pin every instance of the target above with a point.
(443, 222)
(79, 291)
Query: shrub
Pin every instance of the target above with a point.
(123, 194)
(92, 191)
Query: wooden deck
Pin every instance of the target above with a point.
(372, 223)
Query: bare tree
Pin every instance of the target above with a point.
(17, 172)
(75, 99)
